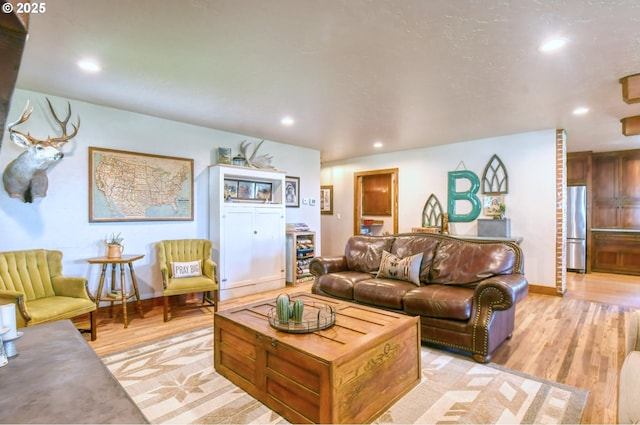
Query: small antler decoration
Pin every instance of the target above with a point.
(261, 161)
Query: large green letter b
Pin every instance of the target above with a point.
(469, 195)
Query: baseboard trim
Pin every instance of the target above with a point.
(545, 290)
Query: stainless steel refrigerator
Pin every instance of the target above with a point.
(577, 228)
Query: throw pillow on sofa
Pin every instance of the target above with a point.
(407, 269)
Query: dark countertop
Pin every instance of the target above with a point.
(58, 378)
(617, 230)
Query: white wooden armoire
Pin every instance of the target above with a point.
(247, 228)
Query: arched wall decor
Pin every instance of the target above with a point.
(432, 212)
(495, 180)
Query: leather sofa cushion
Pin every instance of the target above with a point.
(364, 253)
(387, 293)
(440, 301)
(461, 263)
(340, 284)
(404, 246)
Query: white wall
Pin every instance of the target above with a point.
(60, 220)
(530, 162)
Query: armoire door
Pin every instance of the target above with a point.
(268, 244)
(237, 247)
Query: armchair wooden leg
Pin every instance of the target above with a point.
(92, 320)
(166, 309)
(211, 301)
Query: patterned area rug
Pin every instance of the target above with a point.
(173, 381)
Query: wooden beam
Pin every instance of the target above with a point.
(631, 88)
(13, 35)
(631, 125)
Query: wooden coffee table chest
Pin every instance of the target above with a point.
(351, 372)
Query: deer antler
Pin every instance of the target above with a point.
(63, 124)
(262, 161)
(26, 114)
(55, 141)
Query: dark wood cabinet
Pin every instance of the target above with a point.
(616, 190)
(578, 168)
(616, 252)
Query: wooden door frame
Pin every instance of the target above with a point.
(357, 196)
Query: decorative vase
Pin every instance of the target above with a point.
(239, 160)
(298, 309)
(114, 251)
(283, 308)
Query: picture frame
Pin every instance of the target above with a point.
(491, 205)
(230, 189)
(135, 186)
(326, 199)
(246, 189)
(292, 191)
(223, 155)
(264, 191)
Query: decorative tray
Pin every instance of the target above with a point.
(316, 316)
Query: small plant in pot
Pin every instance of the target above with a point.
(502, 208)
(114, 245)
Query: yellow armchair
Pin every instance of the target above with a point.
(173, 256)
(33, 281)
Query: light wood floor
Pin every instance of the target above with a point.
(576, 340)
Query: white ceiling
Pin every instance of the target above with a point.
(408, 73)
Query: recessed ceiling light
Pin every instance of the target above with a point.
(553, 44)
(89, 65)
(581, 110)
(378, 145)
(287, 121)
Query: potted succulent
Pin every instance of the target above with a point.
(114, 245)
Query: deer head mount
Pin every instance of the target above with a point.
(25, 177)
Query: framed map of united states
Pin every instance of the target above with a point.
(131, 186)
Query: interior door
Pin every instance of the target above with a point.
(376, 202)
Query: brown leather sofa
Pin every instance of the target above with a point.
(464, 290)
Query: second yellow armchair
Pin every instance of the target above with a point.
(186, 267)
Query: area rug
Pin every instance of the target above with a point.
(173, 381)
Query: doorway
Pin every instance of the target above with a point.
(375, 202)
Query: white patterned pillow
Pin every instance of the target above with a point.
(407, 269)
(186, 269)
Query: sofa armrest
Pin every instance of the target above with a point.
(501, 292)
(326, 265)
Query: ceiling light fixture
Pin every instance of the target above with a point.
(287, 121)
(378, 145)
(89, 65)
(553, 45)
(581, 110)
